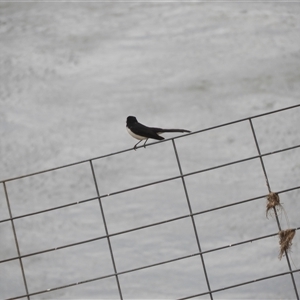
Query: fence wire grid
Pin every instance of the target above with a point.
(69, 234)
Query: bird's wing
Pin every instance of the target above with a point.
(149, 132)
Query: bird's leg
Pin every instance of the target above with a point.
(136, 145)
(145, 143)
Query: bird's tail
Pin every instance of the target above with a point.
(173, 130)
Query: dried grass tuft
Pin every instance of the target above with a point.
(285, 240)
(273, 202)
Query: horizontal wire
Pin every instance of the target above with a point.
(131, 149)
(145, 226)
(189, 297)
(49, 209)
(241, 284)
(160, 222)
(167, 262)
(201, 171)
(153, 183)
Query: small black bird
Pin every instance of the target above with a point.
(142, 132)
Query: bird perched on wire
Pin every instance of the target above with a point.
(142, 132)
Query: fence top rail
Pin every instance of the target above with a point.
(165, 140)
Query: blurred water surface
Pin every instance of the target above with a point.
(70, 75)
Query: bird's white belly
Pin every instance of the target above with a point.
(138, 137)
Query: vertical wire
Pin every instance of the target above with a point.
(16, 241)
(106, 230)
(261, 160)
(276, 215)
(192, 218)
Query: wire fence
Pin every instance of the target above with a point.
(104, 252)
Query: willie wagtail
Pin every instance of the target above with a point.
(142, 132)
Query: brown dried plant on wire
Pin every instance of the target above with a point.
(285, 240)
(285, 236)
(273, 202)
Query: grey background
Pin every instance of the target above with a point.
(70, 75)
